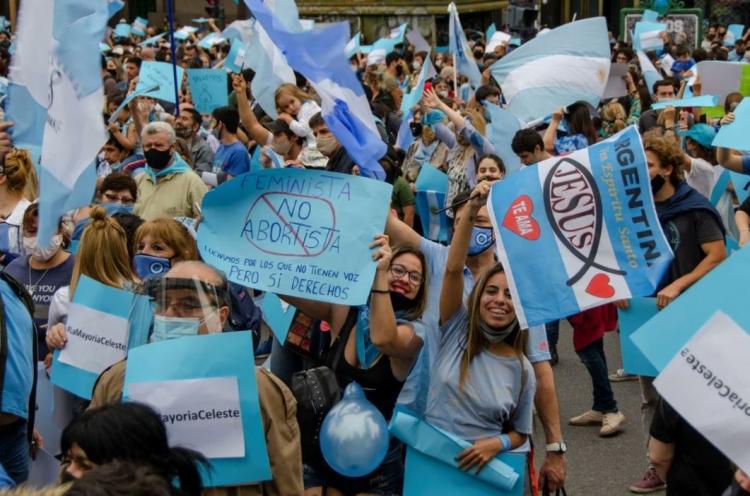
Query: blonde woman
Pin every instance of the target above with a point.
(161, 243)
(16, 174)
(103, 256)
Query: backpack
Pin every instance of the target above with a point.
(22, 294)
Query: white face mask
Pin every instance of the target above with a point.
(42, 254)
(416, 65)
(282, 148)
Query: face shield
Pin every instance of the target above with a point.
(185, 307)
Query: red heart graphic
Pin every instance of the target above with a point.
(518, 218)
(600, 287)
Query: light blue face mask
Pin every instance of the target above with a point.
(482, 238)
(166, 328)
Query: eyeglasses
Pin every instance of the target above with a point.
(183, 307)
(112, 198)
(400, 271)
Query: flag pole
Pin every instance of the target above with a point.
(170, 15)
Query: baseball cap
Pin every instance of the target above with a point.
(703, 134)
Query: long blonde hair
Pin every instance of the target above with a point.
(475, 340)
(102, 253)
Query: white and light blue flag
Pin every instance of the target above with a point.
(271, 69)
(459, 47)
(589, 219)
(409, 101)
(57, 82)
(317, 55)
(568, 64)
(650, 74)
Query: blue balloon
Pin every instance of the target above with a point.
(354, 435)
(661, 6)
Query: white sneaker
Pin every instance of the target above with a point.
(612, 424)
(592, 417)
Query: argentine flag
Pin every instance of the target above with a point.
(432, 188)
(317, 55)
(56, 98)
(459, 47)
(568, 64)
(410, 100)
(271, 69)
(650, 74)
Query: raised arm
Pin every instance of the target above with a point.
(452, 294)
(401, 234)
(730, 159)
(261, 135)
(551, 132)
(431, 100)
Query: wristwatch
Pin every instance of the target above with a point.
(560, 448)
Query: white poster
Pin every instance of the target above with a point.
(708, 384)
(202, 414)
(96, 340)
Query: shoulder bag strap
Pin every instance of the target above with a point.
(346, 331)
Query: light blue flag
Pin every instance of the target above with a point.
(212, 356)
(431, 190)
(389, 43)
(114, 6)
(239, 30)
(617, 250)
(104, 48)
(296, 232)
(153, 40)
(734, 33)
(650, 74)
(695, 101)
(286, 11)
(316, 55)
(208, 88)
(159, 75)
(734, 135)
(639, 311)
(404, 138)
(278, 315)
(100, 300)
(500, 131)
(662, 337)
(139, 26)
(210, 40)
(200, 20)
(123, 30)
(352, 48)
(490, 31)
(235, 60)
(28, 119)
(431, 466)
(650, 15)
(459, 48)
(645, 36)
(271, 70)
(127, 100)
(4, 23)
(567, 64)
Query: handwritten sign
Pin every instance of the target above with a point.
(209, 422)
(159, 74)
(707, 383)
(589, 219)
(208, 88)
(296, 232)
(197, 365)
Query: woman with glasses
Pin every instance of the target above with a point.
(378, 354)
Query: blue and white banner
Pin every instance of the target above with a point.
(271, 69)
(432, 188)
(317, 55)
(459, 48)
(57, 66)
(567, 64)
(589, 220)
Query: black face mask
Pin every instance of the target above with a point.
(478, 55)
(399, 71)
(657, 183)
(158, 159)
(113, 73)
(416, 129)
(67, 477)
(400, 302)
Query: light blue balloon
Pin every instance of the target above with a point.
(354, 435)
(661, 6)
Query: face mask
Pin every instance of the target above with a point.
(183, 132)
(399, 71)
(158, 159)
(482, 238)
(416, 66)
(443, 94)
(400, 302)
(657, 183)
(147, 266)
(478, 55)
(494, 335)
(281, 148)
(113, 73)
(166, 328)
(39, 253)
(326, 145)
(416, 129)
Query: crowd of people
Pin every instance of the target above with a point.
(447, 342)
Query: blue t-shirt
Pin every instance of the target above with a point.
(497, 389)
(232, 159)
(20, 362)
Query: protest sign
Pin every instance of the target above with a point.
(638, 312)
(616, 86)
(208, 88)
(741, 183)
(296, 232)
(734, 135)
(647, 35)
(236, 58)
(100, 330)
(498, 38)
(187, 370)
(663, 336)
(589, 219)
(695, 101)
(721, 78)
(431, 466)
(159, 74)
(208, 422)
(707, 383)
(734, 33)
(278, 315)
(431, 189)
